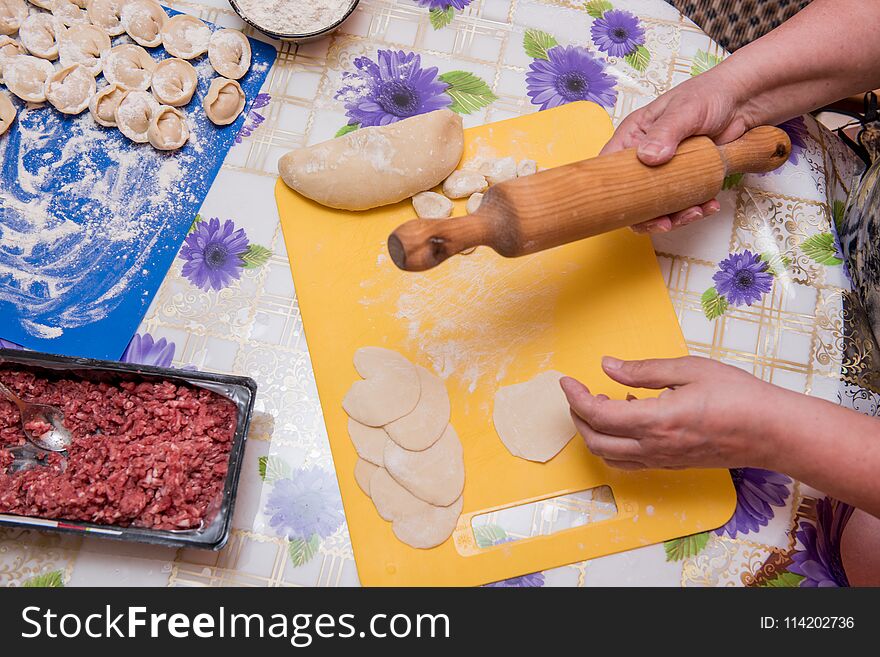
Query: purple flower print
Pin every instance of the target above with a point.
(618, 33)
(213, 253)
(742, 278)
(304, 505)
(757, 491)
(144, 350)
(796, 129)
(254, 119)
(819, 561)
(523, 581)
(443, 5)
(569, 74)
(6, 344)
(394, 87)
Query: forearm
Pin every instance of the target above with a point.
(826, 52)
(830, 448)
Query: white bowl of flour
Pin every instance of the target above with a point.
(294, 20)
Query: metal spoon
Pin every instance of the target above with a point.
(57, 439)
(27, 457)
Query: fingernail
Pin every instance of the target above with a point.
(712, 207)
(690, 215)
(653, 150)
(612, 364)
(569, 384)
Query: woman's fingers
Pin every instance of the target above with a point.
(615, 448)
(625, 465)
(655, 373)
(612, 417)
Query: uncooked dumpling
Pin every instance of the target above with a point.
(43, 4)
(9, 48)
(12, 15)
(376, 166)
(38, 35)
(414, 521)
(533, 419)
(435, 475)
(7, 112)
(174, 82)
(143, 21)
(389, 391)
(230, 53)
(130, 67)
(224, 101)
(106, 14)
(363, 472)
(69, 12)
(185, 36)
(84, 44)
(70, 89)
(104, 103)
(26, 76)
(168, 129)
(369, 442)
(427, 422)
(134, 113)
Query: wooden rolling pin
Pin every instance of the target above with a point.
(579, 200)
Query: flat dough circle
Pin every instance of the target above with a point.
(533, 419)
(435, 475)
(415, 522)
(377, 165)
(369, 442)
(363, 472)
(389, 391)
(424, 426)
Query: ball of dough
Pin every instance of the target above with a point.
(499, 170)
(533, 419)
(377, 166)
(431, 205)
(463, 183)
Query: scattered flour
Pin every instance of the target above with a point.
(294, 16)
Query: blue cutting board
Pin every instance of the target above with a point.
(90, 222)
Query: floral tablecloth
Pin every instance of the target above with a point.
(760, 287)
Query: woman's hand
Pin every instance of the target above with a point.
(710, 415)
(705, 105)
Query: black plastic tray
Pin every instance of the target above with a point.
(240, 390)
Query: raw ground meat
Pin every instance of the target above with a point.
(144, 454)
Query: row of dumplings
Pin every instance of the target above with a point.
(78, 33)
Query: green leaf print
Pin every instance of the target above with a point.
(468, 92)
(777, 263)
(822, 249)
(713, 304)
(302, 551)
(536, 43)
(273, 468)
(47, 580)
(344, 130)
(688, 546)
(489, 535)
(838, 208)
(195, 224)
(256, 256)
(731, 181)
(442, 17)
(639, 59)
(783, 580)
(703, 61)
(597, 8)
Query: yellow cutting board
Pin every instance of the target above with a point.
(482, 321)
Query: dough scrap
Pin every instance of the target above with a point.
(229, 52)
(533, 418)
(185, 36)
(104, 103)
(415, 522)
(168, 129)
(431, 205)
(464, 182)
(7, 112)
(377, 166)
(26, 76)
(389, 391)
(428, 420)
(70, 89)
(435, 475)
(363, 472)
(174, 82)
(38, 34)
(224, 101)
(473, 203)
(130, 67)
(369, 442)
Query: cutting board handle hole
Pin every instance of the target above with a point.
(543, 517)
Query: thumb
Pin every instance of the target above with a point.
(661, 140)
(653, 373)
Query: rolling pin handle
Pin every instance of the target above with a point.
(760, 150)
